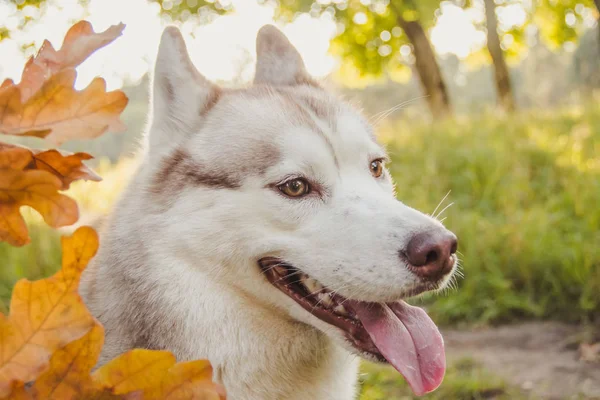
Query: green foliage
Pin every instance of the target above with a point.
(35, 3)
(370, 36)
(526, 192)
(561, 21)
(40, 259)
(184, 9)
(464, 380)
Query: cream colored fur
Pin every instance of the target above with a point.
(177, 266)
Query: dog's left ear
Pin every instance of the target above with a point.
(278, 63)
(180, 94)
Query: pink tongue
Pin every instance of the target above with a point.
(408, 339)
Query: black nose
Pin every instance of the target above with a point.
(429, 253)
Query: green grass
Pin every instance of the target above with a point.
(464, 380)
(526, 194)
(37, 260)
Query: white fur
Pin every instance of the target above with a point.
(178, 270)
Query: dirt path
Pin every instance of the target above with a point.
(541, 358)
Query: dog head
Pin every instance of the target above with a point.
(282, 189)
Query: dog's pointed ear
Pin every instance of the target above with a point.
(180, 94)
(278, 62)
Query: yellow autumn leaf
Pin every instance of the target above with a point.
(68, 376)
(156, 373)
(187, 380)
(45, 315)
(134, 370)
(138, 374)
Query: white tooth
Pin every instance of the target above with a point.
(340, 309)
(280, 270)
(325, 299)
(311, 285)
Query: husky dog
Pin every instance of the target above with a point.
(262, 232)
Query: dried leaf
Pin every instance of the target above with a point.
(39, 190)
(59, 113)
(156, 373)
(33, 177)
(68, 167)
(12, 226)
(14, 157)
(137, 369)
(7, 82)
(188, 380)
(68, 376)
(147, 374)
(79, 43)
(45, 315)
(19, 392)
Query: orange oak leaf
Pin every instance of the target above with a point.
(19, 392)
(66, 166)
(45, 315)
(138, 374)
(33, 178)
(12, 226)
(14, 157)
(135, 370)
(68, 376)
(58, 112)
(36, 189)
(79, 43)
(188, 380)
(156, 373)
(7, 82)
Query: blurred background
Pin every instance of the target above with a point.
(491, 105)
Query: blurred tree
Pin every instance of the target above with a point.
(564, 21)
(183, 9)
(378, 37)
(501, 74)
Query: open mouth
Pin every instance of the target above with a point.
(397, 333)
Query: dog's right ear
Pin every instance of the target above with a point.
(180, 94)
(278, 62)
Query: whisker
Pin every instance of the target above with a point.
(441, 201)
(444, 209)
(284, 277)
(384, 114)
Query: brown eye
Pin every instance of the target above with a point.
(377, 168)
(295, 187)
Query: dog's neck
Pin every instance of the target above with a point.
(260, 353)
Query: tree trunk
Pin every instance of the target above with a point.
(427, 68)
(597, 3)
(502, 77)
